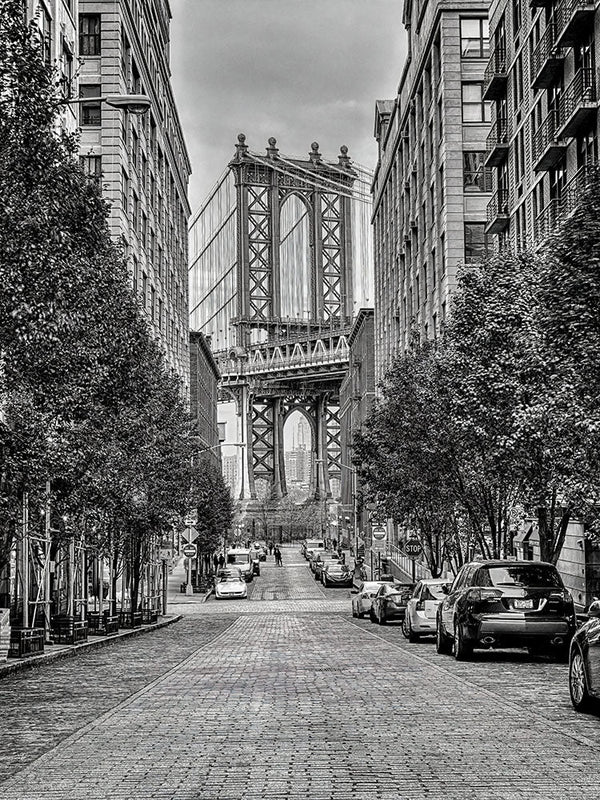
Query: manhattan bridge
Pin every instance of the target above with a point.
(281, 264)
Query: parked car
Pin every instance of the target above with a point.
(421, 609)
(312, 545)
(584, 662)
(506, 604)
(260, 550)
(334, 573)
(320, 558)
(361, 603)
(230, 585)
(390, 602)
(241, 557)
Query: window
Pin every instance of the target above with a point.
(134, 148)
(476, 243)
(136, 212)
(135, 275)
(476, 178)
(517, 16)
(91, 113)
(144, 289)
(92, 166)
(152, 303)
(46, 24)
(124, 191)
(474, 107)
(474, 38)
(89, 35)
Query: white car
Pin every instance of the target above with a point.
(361, 603)
(421, 610)
(231, 585)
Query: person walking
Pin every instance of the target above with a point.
(278, 559)
(270, 548)
(221, 561)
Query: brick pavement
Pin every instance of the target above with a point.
(270, 706)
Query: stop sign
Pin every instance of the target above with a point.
(413, 548)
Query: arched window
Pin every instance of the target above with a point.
(294, 259)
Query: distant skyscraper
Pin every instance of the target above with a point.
(230, 471)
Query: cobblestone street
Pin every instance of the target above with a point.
(286, 696)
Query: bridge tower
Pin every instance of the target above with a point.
(290, 311)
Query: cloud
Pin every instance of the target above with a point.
(299, 70)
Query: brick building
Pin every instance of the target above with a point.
(204, 381)
(430, 189)
(357, 394)
(141, 161)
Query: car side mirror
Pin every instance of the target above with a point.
(445, 588)
(594, 609)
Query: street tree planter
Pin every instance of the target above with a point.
(26, 642)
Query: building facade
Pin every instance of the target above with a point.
(140, 161)
(542, 78)
(357, 395)
(431, 187)
(204, 384)
(230, 472)
(58, 23)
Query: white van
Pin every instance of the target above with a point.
(242, 559)
(311, 545)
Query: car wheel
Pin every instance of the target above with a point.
(382, 620)
(442, 644)
(407, 630)
(463, 650)
(354, 614)
(372, 616)
(580, 697)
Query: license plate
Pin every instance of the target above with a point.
(523, 603)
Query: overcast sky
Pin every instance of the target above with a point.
(299, 70)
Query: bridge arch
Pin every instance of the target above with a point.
(296, 263)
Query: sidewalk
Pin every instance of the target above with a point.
(55, 652)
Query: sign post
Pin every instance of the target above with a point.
(189, 551)
(413, 549)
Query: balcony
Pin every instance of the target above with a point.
(496, 144)
(547, 59)
(546, 220)
(574, 21)
(547, 149)
(578, 104)
(495, 76)
(497, 212)
(559, 207)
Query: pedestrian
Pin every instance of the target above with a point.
(270, 548)
(334, 543)
(221, 561)
(278, 560)
(215, 562)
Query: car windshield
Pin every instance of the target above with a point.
(229, 579)
(336, 567)
(522, 575)
(237, 558)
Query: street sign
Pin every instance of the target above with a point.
(379, 546)
(190, 534)
(379, 532)
(413, 548)
(190, 519)
(189, 550)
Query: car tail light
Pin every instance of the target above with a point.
(483, 595)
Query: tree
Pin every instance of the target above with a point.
(89, 403)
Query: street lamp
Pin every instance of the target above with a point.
(136, 104)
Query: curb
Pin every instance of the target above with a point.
(17, 665)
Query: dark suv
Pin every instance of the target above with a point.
(506, 604)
